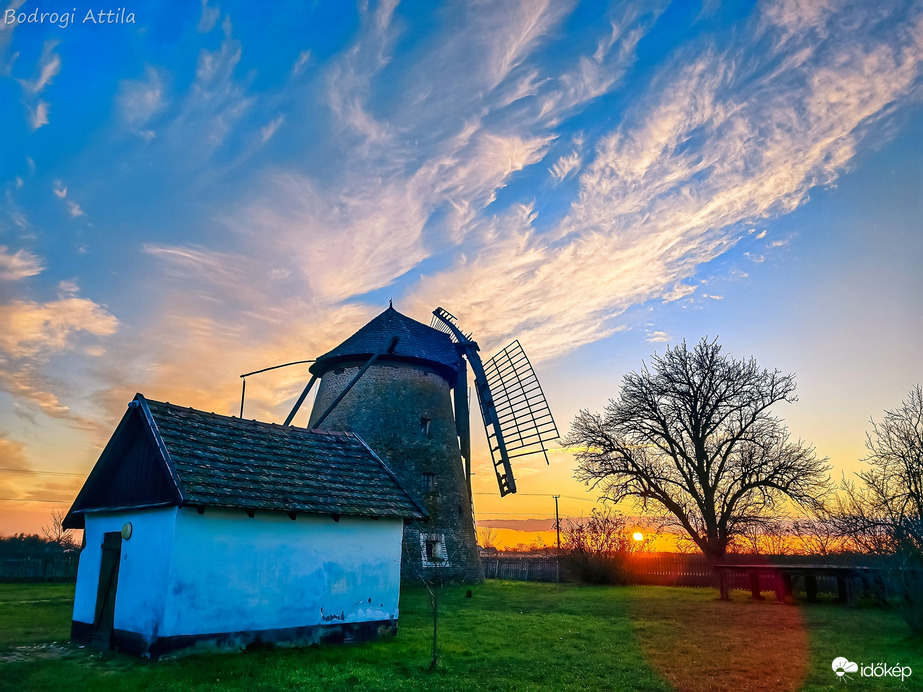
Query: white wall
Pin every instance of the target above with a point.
(185, 573)
(143, 570)
(230, 572)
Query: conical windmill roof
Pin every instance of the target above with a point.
(417, 344)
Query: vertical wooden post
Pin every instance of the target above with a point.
(810, 586)
(755, 586)
(780, 587)
(852, 590)
(841, 588)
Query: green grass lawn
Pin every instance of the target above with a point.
(31, 613)
(509, 636)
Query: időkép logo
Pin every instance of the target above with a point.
(842, 666)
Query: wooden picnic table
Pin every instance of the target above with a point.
(848, 579)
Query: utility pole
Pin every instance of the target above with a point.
(557, 520)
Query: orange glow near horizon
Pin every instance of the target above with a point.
(512, 539)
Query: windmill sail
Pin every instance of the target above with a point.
(524, 418)
(513, 406)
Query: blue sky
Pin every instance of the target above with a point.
(218, 187)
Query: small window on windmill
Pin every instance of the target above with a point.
(434, 552)
(429, 481)
(424, 425)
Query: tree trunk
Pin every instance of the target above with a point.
(435, 602)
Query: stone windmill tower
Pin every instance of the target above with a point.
(402, 386)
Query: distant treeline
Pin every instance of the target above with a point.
(23, 545)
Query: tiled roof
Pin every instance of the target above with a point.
(416, 342)
(220, 461)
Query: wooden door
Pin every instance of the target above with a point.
(105, 595)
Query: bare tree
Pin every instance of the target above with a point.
(772, 536)
(433, 575)
(596, 548)
(693, 440)
(487, 538)
(817, 535)
(54, 531)
(883, 514)
(603, 533)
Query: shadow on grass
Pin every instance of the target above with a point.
(699, 642)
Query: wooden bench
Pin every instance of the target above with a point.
(848, 579)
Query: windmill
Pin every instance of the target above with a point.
(392, 382)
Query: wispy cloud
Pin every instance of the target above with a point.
(49, 65)
(225, 272)
(210, 17)
(677, 292)
(18, 265)
(35, 328)
(714, 147)
(31, 388)
(35, 336)
(13, 454)
(658, 337)
(60, 191)
(216, 67)
(38, 115)
(564, 166)
(14, 457)
(6, 38)
(268, 130)
(349, 79)
(304, 59)
(596, 74)
(215, 104)
(140, 100)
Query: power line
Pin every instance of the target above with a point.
(42, 473)
(536, 515)
(22, 499)
(569, 497)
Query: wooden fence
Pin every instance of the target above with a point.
(652, 569)
(59, 569)
(522, 568)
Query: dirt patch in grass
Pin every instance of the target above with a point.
(702, 643)
(37, 652)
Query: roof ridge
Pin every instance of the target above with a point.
(236, 420)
